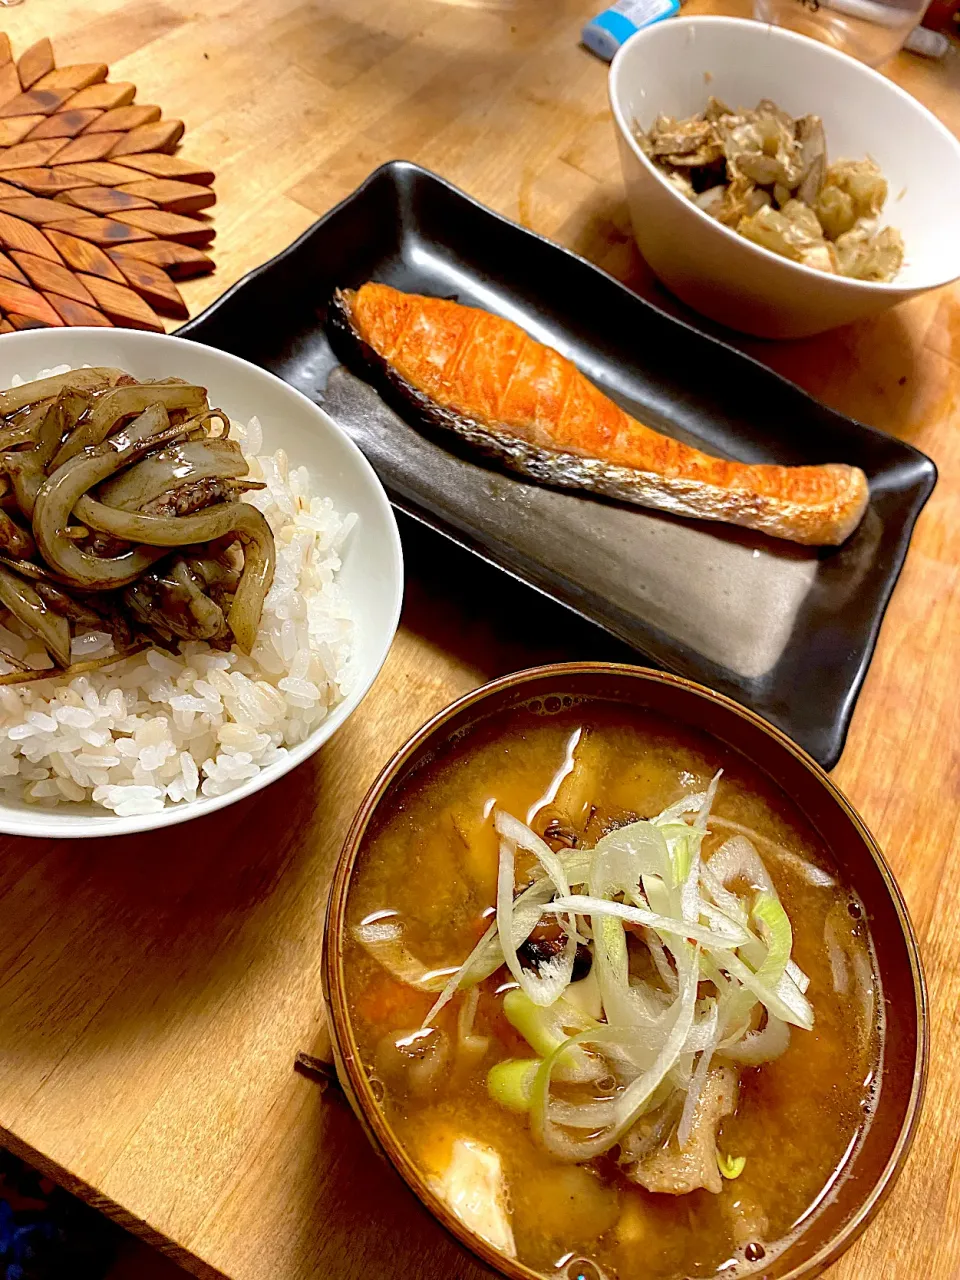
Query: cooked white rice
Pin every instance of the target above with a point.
(159, 729)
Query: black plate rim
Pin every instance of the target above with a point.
(400, 172)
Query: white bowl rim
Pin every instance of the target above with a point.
(86, 825)
(776, 33)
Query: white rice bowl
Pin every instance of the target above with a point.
(159, 729)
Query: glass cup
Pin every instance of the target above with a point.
(871, 30)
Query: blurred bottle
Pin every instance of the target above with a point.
(871, 30)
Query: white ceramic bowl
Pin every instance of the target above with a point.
(372, 574)
(672, 68)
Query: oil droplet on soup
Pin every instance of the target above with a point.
(429, 869)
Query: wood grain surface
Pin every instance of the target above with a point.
(154, 991)
(68, 150)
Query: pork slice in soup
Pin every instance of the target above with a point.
(621, 1011)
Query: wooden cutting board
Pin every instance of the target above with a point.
(98, 215)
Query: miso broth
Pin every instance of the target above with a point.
(573, 771)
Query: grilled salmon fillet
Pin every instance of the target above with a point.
(525, 404)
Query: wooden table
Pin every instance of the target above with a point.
(154, 991)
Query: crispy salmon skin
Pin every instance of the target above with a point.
(523, 403)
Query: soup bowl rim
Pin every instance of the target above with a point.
(346, 1053)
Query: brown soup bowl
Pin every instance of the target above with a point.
(875, 1165)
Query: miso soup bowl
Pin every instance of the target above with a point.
(672, 67)
(873, 1169)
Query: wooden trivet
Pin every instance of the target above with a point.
(97, 215)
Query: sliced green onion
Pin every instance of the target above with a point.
(795, 1009)
(725, 901)
(487, 956)
(691, 803)
(510, 1083)
(738, 857)
(589, 906)
(702, 819)
(810, 872)
(657, 1040)
(623, 856)
(552, 977)
(633, 1101)
(547, 1029)
(776, 925)
(621, 859)
(681, 855)
(521, 835)
(699, 1078)
(468, 1043)
(770, 974)
(662, 961)
(796, 974)
(623, 1003)
(671, 830)
(658, 895)
(731, 1166)
(720, 919)
(576, 864)
(698, 802)
(757, 1047)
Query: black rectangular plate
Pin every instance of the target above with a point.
(789, 631)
